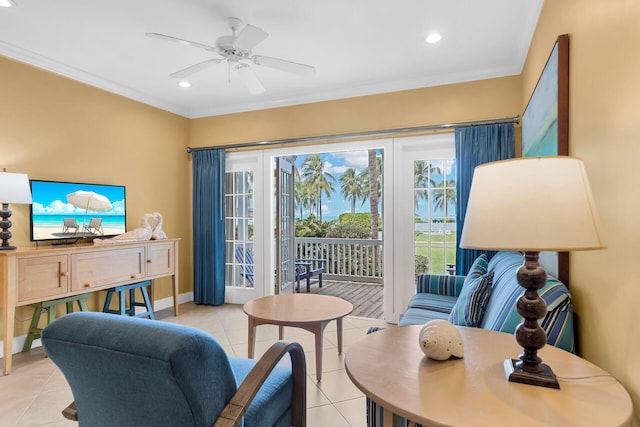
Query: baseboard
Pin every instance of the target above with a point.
(160, 304)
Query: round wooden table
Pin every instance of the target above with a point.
(307, 311)
(391, 369)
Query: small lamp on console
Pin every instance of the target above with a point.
(531, 205)
(14, 188)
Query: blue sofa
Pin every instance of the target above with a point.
(436, 296)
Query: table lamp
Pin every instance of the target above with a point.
(531, 205)
(14, 188)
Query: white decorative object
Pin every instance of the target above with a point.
(151, 229)
(440, 340)
(154, 222)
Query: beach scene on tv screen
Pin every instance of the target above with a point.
(70, 210)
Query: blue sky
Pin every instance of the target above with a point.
(50, 197)
(336, 164)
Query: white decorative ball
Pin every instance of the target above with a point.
(440, 340)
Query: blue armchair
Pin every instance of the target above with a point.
(137, 372)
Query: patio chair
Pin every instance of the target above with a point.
(304, 269)
(245, 259)
(127, 371)
(94, 226)
(69, 223)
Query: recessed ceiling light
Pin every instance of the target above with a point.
(434, 38)
(6, 3)
(184, 84)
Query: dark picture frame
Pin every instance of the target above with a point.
(545, 123)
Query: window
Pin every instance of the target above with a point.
(239, 229)
(434, 196)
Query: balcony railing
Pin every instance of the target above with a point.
(358, 260)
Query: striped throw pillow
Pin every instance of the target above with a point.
(472, 302)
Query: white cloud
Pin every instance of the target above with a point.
(358, 160)
(339, 169)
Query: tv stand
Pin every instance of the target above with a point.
(30, 275)
(64, 242)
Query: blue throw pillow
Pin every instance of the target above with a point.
(472, 302)
(478, 268)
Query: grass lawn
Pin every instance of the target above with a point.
(443, 250)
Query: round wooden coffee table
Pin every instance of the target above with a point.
(307, 311)
(389, 367)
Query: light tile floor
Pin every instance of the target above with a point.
(35, 392)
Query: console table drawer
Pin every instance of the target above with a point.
(160, 259)
(99, 269)
(43, 276)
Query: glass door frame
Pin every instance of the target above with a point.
(406, 151)
(387, 215)
(251, 161)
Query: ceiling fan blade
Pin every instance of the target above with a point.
(195, 68)
(281, 64)
(180, 41)
(249, 37)
(249, 79)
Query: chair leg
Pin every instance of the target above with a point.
(34, 332)
(147, 302)
(107, 300)
(122, 309)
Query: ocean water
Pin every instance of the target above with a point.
(56, 221)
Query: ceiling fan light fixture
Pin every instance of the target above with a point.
(434, 37)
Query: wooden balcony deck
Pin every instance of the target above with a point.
(367, 298)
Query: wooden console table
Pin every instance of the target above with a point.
(30, 275)
(389, 367)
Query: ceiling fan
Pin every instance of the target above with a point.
(236, 51)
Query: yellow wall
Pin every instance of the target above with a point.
(604, 130)
(487, 99)
(53, 128)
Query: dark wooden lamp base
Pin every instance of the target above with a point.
(5, 225)
(515, 373)
(529, 369)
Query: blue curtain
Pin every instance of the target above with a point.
(476, 145)
(209, 249)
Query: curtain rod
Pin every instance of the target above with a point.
(344, 136)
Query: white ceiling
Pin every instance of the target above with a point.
(358, 47)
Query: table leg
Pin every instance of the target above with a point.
(280, 332)
(339, 328)
(176, 291)
(252, 336)
(9, 298)
(318, 335)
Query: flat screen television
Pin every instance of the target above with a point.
(71, 211)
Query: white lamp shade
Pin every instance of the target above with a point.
(14, 188)
(534, 204)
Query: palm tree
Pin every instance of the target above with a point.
(364, 175)
(423, 170)
(352, 187)
(373, 192)
(444, 195)
(302, 196)
(316, 178)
